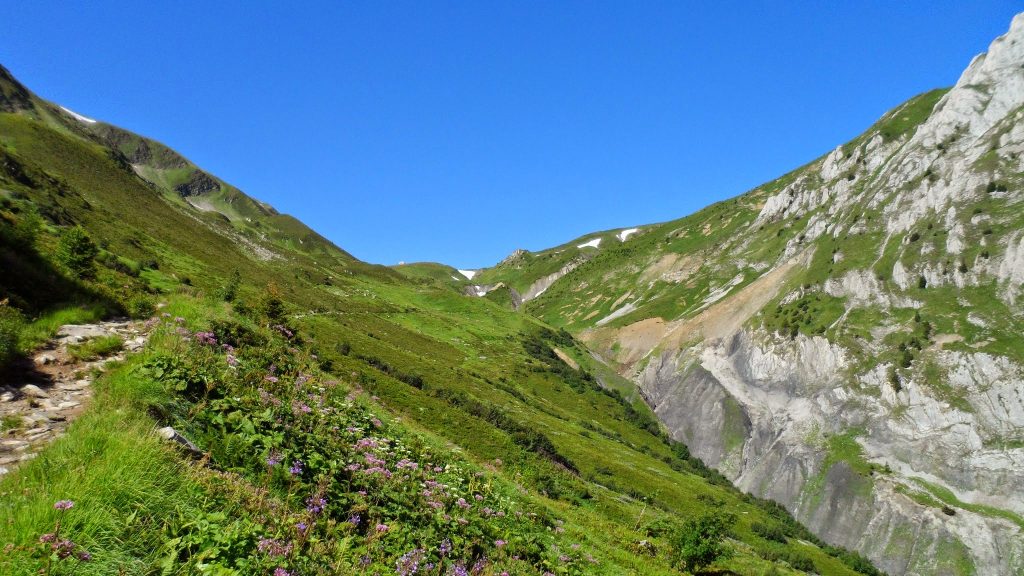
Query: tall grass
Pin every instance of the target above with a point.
(41, 329)
(125, 483)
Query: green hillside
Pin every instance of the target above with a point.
(353, 418)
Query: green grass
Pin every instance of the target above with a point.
(45, 326)
(94, 348)
(947, 497)
(908, 116)
(436, 361)
(126, 485)
(10, 422)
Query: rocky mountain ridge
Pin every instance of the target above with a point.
(844, 340)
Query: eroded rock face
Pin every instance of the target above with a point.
(542, 284)
(791, 401)
(198, 184)
(917, 464)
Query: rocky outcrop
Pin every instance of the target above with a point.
(917, 463)
(782, 420)
(542, 284)
(13, 96)
(199, 183)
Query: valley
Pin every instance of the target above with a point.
(822, 375)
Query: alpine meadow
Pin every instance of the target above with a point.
(823, 375)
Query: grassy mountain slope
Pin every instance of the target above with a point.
(381, 383)
(850, 327)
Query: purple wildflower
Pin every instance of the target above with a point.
(354, 519)
(281, 572)
(274, 459)
(296, 468)
(382, 528)
(499, 543)
(274, 548)
(65, 548)
(64, 505)
(409, 563)
(445, 547)
(315, 505)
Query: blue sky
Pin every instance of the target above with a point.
(459, 131)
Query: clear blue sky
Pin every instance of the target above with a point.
(458, 131)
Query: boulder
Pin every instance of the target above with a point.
(33, 391)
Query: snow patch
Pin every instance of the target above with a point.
(591, 244)
(622, 236)
(78, 116)
(469, 273)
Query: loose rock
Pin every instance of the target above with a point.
(33, 391)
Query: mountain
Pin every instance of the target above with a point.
(336, 416)
(844, 340)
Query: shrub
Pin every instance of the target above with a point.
(699, 542)
(139, 306)
(76, 252)
(272, 306)
(229, 291)
(769, 532)
(11, 324)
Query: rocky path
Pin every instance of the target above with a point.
(44, 394)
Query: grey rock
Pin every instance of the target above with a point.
(33, 391)
(171, 435)
(76, 385)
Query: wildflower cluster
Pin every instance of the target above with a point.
(345, 475)
(55, 547)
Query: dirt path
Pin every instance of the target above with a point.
(43, 394)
